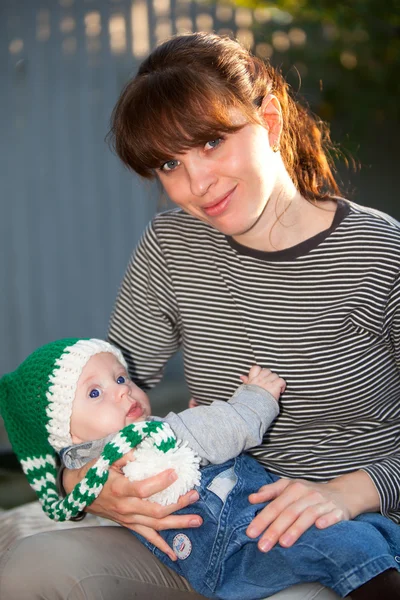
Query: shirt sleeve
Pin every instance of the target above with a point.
(223, 430)
(144, 321)
(386, 473)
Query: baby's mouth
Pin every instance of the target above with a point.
(135, 411)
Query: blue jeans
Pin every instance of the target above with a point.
(220, 561)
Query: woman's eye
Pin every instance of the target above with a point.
(94, 393)
(214, 143)
(121, 379)
(170, 165)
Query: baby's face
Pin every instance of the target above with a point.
(106, 400)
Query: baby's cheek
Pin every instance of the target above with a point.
(106, 424)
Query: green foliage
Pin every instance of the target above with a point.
(348, 60)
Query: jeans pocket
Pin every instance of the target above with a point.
(223, 483)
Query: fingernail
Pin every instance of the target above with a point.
(194, 523)
(251, 532)
(265, 545)
(285, 540)
(193, 497)
(172, 476)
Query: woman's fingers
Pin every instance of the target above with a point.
(129, 510)
(310, 516)
(295, 506)
(292, 523)
(270, 491)
(124, 501)
(136, 510)
(145, 488)
(281, 500)
(151, 514)
(169, 522)
(330, 518)
(271, 512)
(155, 538)
(121, 462)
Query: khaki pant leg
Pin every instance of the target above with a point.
(93, 563)
(101, 563)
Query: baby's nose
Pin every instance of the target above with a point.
(122, 390)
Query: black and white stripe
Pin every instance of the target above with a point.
(323, 314)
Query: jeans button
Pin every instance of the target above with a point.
(397, 559)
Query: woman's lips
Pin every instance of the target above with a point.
(135, 411)
(219, 207)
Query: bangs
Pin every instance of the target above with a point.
(167, 112)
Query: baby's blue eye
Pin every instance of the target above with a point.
(121, 379)
(95, 393)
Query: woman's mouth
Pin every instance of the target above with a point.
(135, 411)
(218, 207)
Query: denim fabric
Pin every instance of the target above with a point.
(220, 561)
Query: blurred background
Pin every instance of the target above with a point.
(71, 215)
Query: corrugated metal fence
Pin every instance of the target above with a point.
(70, 214)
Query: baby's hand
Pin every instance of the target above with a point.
(269, 381)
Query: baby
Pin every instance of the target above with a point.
(74, 397)
(106, 400)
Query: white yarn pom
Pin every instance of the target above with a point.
(151, 461)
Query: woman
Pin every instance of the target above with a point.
(265, 264)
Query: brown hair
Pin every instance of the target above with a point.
(182, 97)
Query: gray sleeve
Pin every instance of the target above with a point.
(225, 429)
(74, 457)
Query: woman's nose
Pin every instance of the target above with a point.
(201, 176)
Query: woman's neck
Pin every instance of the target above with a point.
(287, 220)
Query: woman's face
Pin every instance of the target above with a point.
(227, 182)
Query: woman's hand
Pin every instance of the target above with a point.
(123, 501)
(297, 504)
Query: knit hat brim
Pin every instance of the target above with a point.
(63, 383)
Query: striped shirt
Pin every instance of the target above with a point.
(323, 314)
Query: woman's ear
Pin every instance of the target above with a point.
(271, 113)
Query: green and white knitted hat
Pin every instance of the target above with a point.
(36, 405)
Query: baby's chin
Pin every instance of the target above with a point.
(130, 420)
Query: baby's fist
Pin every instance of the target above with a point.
(267, 379)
